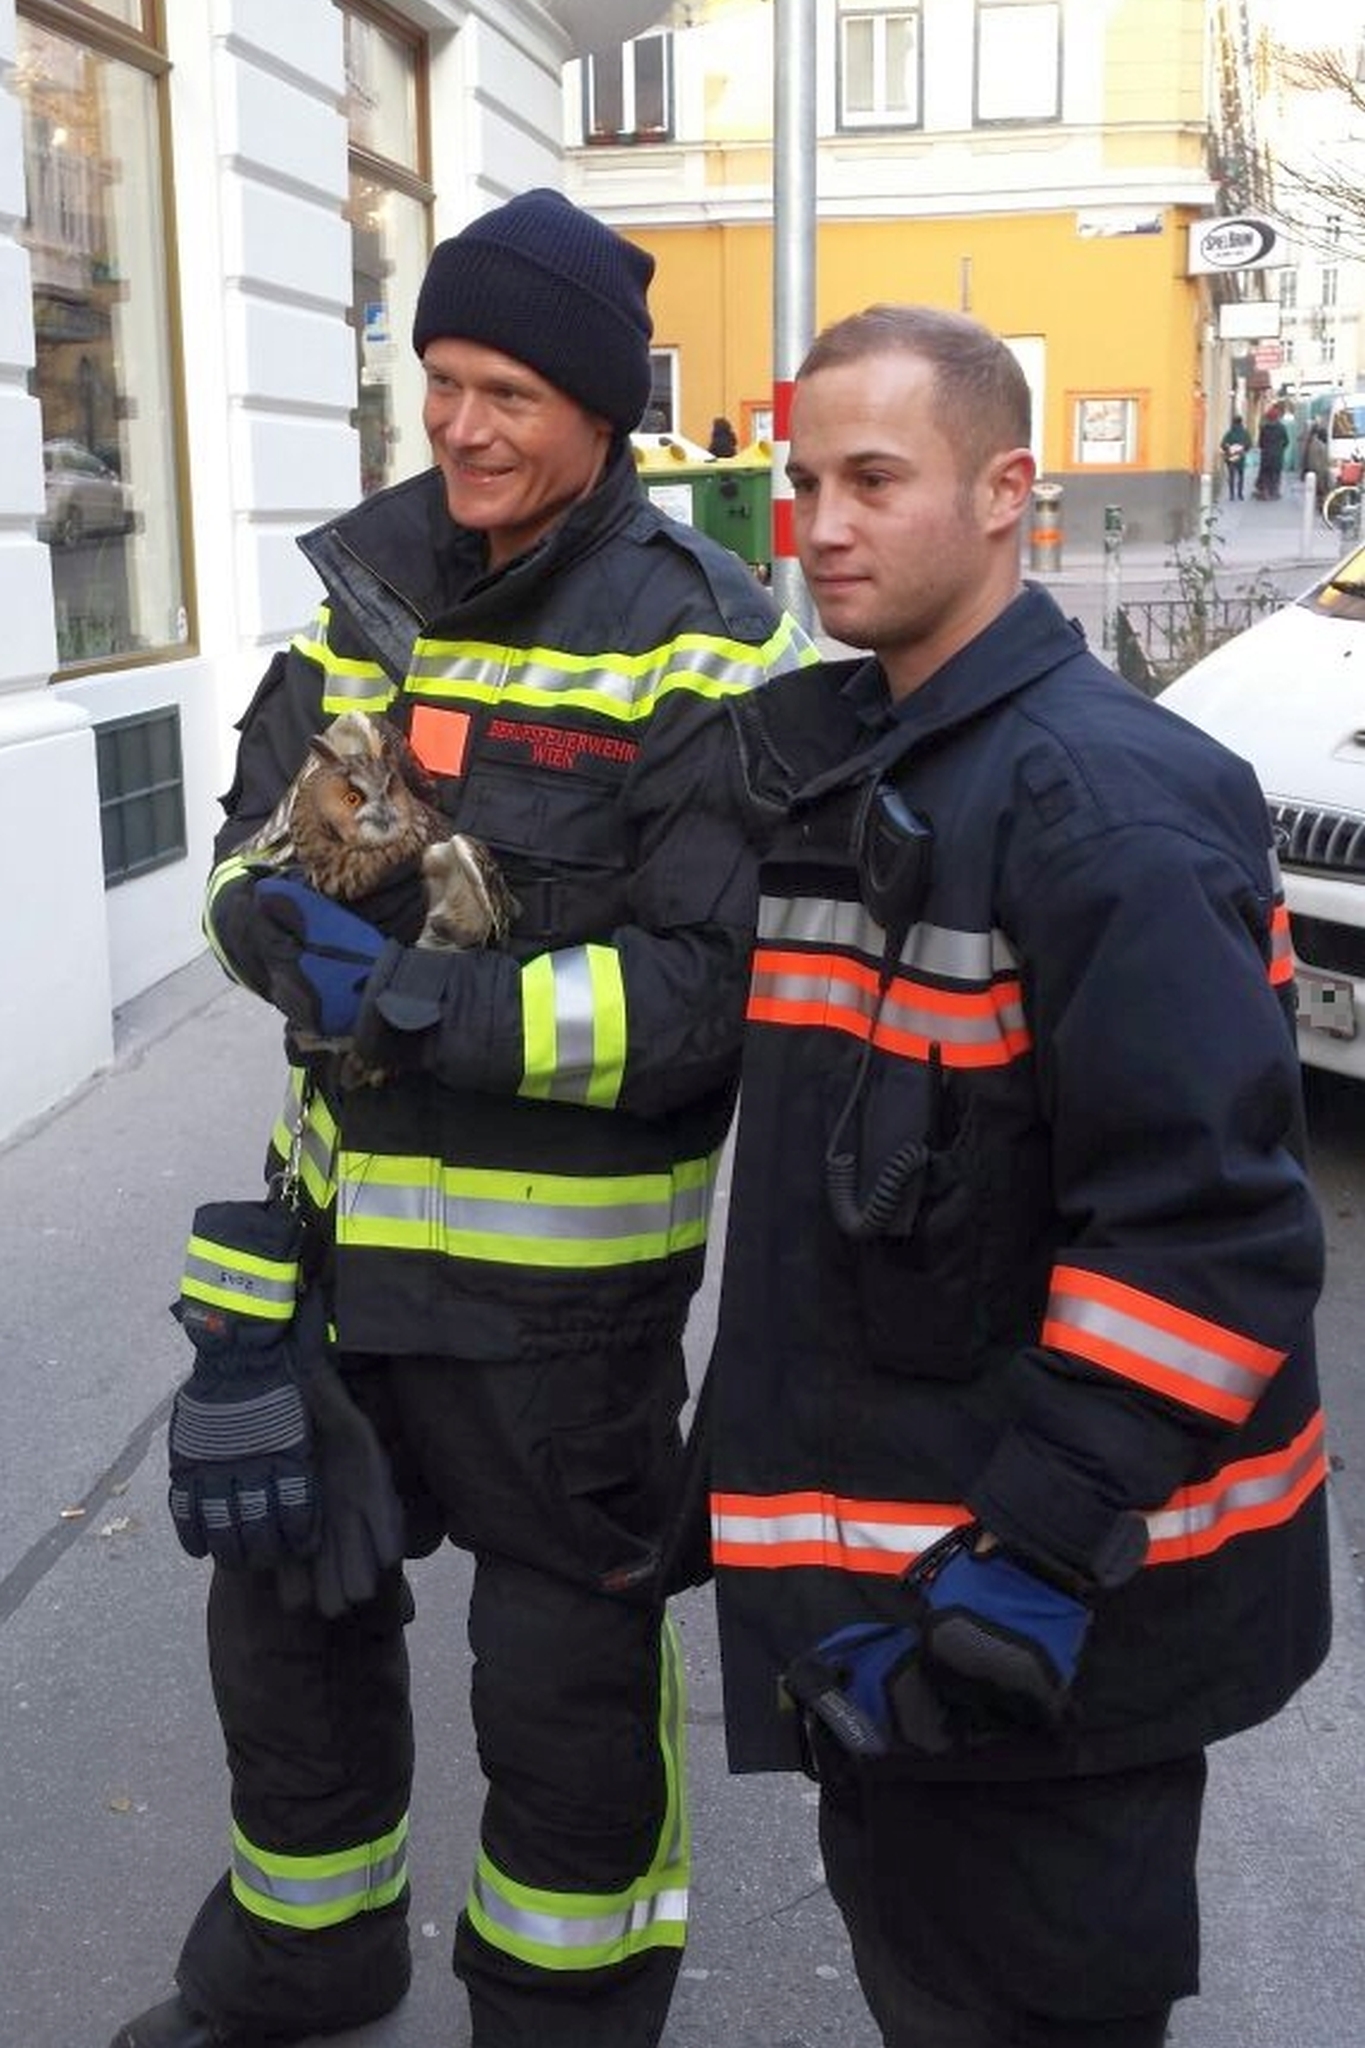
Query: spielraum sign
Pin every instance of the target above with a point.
(1236, 242)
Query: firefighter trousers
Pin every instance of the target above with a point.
(553, 1474)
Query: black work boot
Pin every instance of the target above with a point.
(173, 2024)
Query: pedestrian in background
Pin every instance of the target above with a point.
(1316, 465)
(1234, 444)
(1272, 443)
(512, 1222)
(1019, 1480)
(722, 442)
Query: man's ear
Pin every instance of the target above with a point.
(1007, 485)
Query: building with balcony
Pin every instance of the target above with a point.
(1036, 163)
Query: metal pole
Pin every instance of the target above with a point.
(794, 44)
(1113, 573)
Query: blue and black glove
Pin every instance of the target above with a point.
(987, 1647)
(999, 1646)
(316, 956)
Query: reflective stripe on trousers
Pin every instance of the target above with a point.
(319, 1891)
(593, 1930)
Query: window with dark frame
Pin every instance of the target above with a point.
(141, 781)
(880, 67)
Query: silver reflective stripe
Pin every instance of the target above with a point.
(317, 1891)
(321, 1890)
(255, 1284)
(559, 1931)
(824, 1529)
(556, 1930)
(623, 685)
(1144, 1338)
(989, 1020)
(575, 1025)
(973, 957)
(440, 1215)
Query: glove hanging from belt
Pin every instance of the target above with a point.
(273, 1466)
(243, 1481)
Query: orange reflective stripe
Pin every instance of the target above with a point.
(1147, 1340)
(1281, 951)
(1249, 1494)
(767, 1532)
(977, 1027)
(877, 1538)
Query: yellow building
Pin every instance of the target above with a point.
(1036, 163)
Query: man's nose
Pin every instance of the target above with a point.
(464, 419)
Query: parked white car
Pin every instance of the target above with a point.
(1288, 695)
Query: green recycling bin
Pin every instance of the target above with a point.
(734, 506)
(729, 500)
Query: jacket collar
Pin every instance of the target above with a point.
(401, 564)
(1027, 640)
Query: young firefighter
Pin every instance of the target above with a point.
(1018, 1466)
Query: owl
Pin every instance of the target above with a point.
(359, 807)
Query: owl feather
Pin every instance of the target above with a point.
(360, 807)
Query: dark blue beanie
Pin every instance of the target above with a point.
(540, 280)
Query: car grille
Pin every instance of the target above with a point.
(1308, 836)
(1332, 948)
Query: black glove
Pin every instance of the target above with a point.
(362, 1516)
(243, 1488)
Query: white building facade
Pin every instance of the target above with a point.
(213, 215)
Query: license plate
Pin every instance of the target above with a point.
(1325, 1002)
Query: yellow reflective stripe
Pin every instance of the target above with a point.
(268, 1288)
(349, 684)
(625, 687)
(319, 1891)
(232, 869)
(555, 1930)
(318, 1141)
(562, 1221)
(574, 1027)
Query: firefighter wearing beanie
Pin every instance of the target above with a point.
(511, 1225)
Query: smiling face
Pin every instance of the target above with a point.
(909, 543)
(514, 451)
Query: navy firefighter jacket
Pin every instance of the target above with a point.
(1021, 1229)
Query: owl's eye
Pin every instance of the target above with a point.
(353, 799)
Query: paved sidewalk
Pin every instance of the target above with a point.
(1256, 543)
(112, 1797)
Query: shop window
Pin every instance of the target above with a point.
(879, 68)
(660, 416)
(628, 92)
(95, 229)
(389, 213)
(1107, 430)
(142, 793)
(1018, 61)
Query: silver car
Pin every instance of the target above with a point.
(83, 495)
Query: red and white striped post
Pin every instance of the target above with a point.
(795, 43)
(784, 541)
